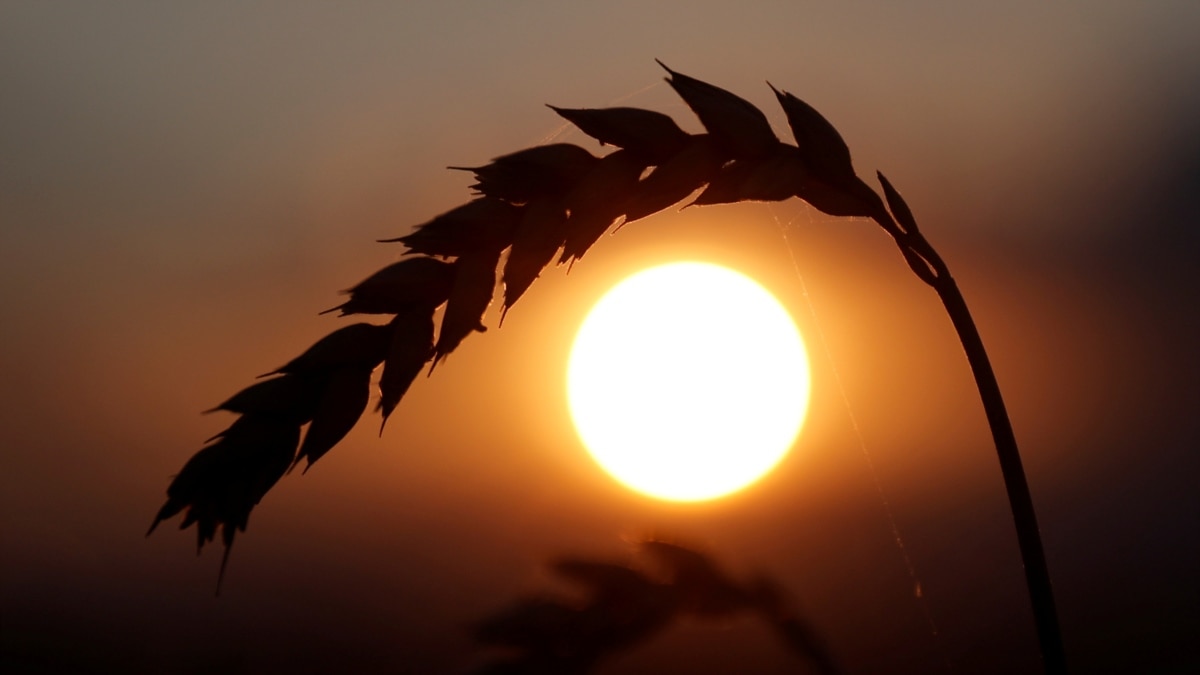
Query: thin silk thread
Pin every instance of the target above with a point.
(883, 499)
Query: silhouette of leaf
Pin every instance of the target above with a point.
(726, 185)
(827, 154)
(702, 587)
(342, 403)
(740, 129)
(411, 348)
(796, 633)
(672, 181)
(623, 607)
(224, 481)
(290, 398)
(598, 200)
(474, 285)
(776, 177)
(412, 283)
(897, 205)
(360, 344)
(607, 582)
(483, 224)
(622, 597)
(652, 136)
(539, 236)
(833, 187)
(525, 175)
(850, 198)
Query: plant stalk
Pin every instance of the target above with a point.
(1037, 575)
(930, 267)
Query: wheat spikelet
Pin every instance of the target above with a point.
(414, 283)
(534, 203)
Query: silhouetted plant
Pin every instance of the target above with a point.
(623, 606)
(534, 204)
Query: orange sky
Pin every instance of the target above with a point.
(182, 189)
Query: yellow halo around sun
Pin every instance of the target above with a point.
(688, 381)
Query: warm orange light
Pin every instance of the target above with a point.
(688, 381)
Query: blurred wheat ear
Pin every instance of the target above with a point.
(622, 605)
(558, 200)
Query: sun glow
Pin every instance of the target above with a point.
(688, 381)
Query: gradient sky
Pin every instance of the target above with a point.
(183, 186)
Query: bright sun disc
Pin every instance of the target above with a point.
(688, 381)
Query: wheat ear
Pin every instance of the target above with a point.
(534, 204)
(624, 605)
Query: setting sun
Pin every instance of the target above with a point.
(688, 381)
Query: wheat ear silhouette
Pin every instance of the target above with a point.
(558, 200)
(624, 605)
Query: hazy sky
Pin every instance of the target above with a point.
(183, 186)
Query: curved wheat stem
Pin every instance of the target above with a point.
(930, 267)
(558, 200)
